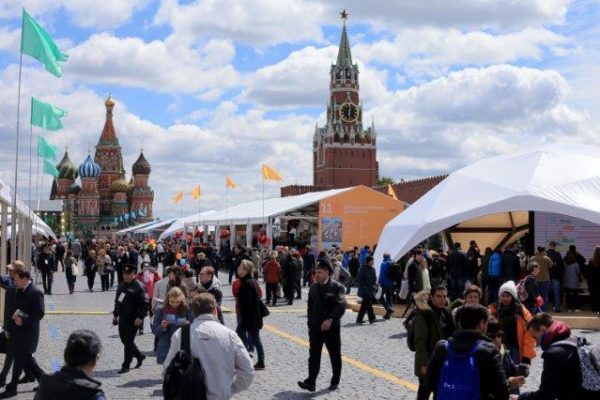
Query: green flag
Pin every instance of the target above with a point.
(37, 43)
(46, 150)
(45, 115)
(49, 168)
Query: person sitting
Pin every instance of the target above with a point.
(73, 381)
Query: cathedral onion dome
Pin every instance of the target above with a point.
(109, 102)
(141, 166)
(66, 169)
(89, 168)
(119, 186)
(74, 188)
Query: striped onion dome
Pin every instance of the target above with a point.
(66, 169)
(120, 186)
(89, 168)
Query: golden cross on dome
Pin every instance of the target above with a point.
(344, 14)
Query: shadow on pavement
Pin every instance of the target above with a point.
(290, 394)
(398, 336)
(109, 373)
(142, 383)
(157, 393)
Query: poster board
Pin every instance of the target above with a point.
(565, 231)
(355, 217)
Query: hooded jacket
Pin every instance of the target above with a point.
(430, 327)
(69, 383)
(561, 375)
(386, 264)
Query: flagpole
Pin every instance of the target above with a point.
(226, 205)
(13, 225)
(37, 182)
(30, 157)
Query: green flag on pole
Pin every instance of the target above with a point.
(46, 150)
(37, 43)
(45, 115)
(49, 168)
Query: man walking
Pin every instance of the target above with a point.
(367, 280)
(557, 271)
(131, 307)
(387, 285)
(543, 279)
(45, 265)
(23, 329)
(433, 322)
(445, 375)
(326, 306)
(457, 268)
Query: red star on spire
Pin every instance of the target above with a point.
(344, 14)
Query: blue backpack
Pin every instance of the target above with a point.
(459, 378)
(494, 266)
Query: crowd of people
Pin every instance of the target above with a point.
(486, 307)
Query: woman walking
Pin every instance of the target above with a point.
(70, 265)
(168, 319)
(90, 269)
(251, 318)
(594, 280)
(571, 281)
(103, 265)
(272, 273)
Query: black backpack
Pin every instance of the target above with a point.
(409, 325)
(184, 379)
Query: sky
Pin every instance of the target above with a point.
(210, 88)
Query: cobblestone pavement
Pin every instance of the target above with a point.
(377, 362)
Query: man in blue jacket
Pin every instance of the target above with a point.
(386, 285)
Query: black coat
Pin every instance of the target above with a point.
(248, 299)
(558, 266)
(457, 264)
(511, 266)
(24, 338)
(131, 301)
(561, 375)
(324, 302)
(68, 383)
(45, 262)
(493, 381)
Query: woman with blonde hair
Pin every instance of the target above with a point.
(250, 314)
(103, 265)
(167, 319)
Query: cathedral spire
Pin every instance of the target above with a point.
(344, 57)
(109, 134)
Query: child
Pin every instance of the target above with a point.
(515, 373)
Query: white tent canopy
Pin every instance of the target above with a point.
(157, 225)
(131, 229)
(180, 223)
(558, 178)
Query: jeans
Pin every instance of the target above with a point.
(555, 286)
(386, 296)
(544, 288)
(271, 291)
(104, 281)
(492, 291)
(457, 287)
(254, 338)
(47, 279)
(333, 342)
(366, 307)
(70, 279)
(572, 296)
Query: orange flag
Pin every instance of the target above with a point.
(270, 174)
(391, 192)
(178, 197)
(196, 192)
(229, 183)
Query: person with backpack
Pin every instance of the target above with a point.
(433, 322)
(387, 285)
(229, 368)
(493, 276)
(513, 318)
(568, 373)
(527, 289)
(467, 366)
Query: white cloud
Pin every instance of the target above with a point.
(84, 13)
(164, 66)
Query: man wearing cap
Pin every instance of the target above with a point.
(326, 306)
(131, 307)
(22, 325)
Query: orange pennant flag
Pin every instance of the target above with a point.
(270, 174)
(178, 197)
(391, 192)
(196, 192)
(229, 183)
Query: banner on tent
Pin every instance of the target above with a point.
(565, 231)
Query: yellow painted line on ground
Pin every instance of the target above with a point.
(286, 310)
(355, 363)
(77, 312)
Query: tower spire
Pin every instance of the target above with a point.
(344, 57)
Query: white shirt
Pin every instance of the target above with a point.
(160, 293)
(226, 364)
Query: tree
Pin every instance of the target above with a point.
(435, 242)
(384, 181)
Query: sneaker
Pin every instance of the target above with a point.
(140, 361)
(123, 370)
(388, 314)
(306, 386)
(259, 366)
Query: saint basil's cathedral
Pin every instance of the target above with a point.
(104, 201)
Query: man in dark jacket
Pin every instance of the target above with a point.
(367, 280)
(511, 265)
(433, 322)
(353, 267)
(556, 274)
(59, 256)
(309, 265)
(457, 265)
(561, 375)
(23, 329)
(326, 306)
(492, 379)
(45, 265)
(131, 307)
(473, 257)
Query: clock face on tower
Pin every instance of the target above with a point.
(348, 112)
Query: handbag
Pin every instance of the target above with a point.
(74, 270)
(264, 311)
(403, 289)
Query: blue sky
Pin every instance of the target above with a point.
(213, 88)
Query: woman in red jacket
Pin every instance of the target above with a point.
(271, 273)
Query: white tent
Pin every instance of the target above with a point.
(559, 178)
(131, 229)
(157, 225)
(180, 223)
